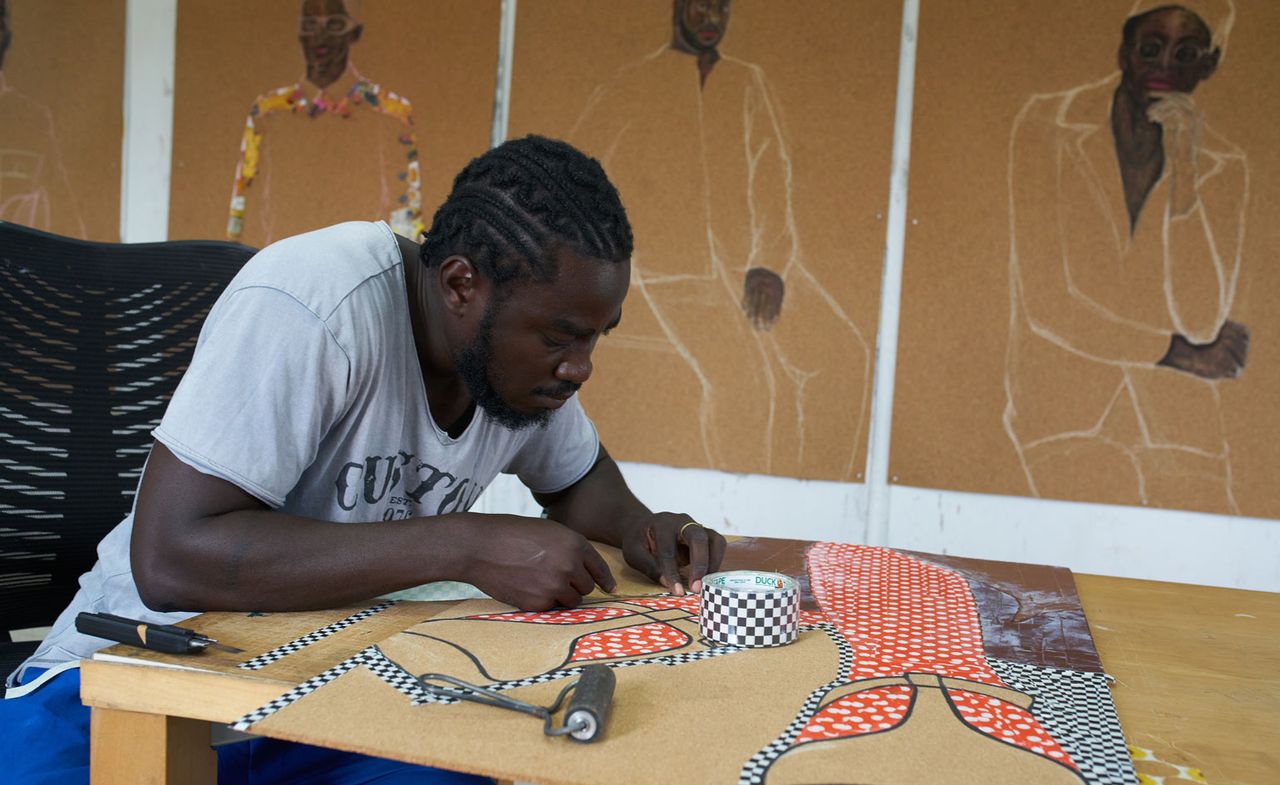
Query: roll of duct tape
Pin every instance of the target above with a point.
(748, 608)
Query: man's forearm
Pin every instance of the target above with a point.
(270, 561)
(600, 506)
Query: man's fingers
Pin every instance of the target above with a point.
(568, 598)
(668, 564)
(717, 549)
(599, 570)
(696, 538)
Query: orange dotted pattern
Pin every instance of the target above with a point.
(574, 616)
(902, 615)
(634, 641)
(860, 712)
(1006, 722)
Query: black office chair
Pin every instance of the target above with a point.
(95, 337)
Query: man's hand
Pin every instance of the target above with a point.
(1223, 359)
(534, 564)
(664, 543)
(762, 292)
(1182, 127)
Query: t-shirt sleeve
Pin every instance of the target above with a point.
(559, 455)
(267, 382)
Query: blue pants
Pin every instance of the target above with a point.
(44, 740)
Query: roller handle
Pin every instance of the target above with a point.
(158, 637)
(589, 705)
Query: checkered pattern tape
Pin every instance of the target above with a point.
(749, 618)
(301, 691)
(297, 644)
(1076, 707)
(753, 772)
(402, 681)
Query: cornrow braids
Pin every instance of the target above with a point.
(514, 207)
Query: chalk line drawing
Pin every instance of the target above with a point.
(720, 275)
(335, 122)
(1126, 224)
(33, 182)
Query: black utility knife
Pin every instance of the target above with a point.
(158, 637)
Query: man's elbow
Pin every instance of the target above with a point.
(160, 586)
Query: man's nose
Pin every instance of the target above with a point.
(575, 368)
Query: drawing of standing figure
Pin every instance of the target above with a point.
(333, 147)
(1127, 223)
(33, 183)
(727, 308)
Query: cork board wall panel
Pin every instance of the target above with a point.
(248, 121)
(1042, 297)
(61, 93)
(757, 198)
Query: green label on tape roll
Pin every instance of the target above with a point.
(750, 580)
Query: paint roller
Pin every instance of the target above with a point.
(589, 699)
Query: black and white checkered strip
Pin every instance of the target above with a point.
(753, 772)
(396, 676)
(1076, 708)
(749, 618)
(298, 644)
(301, 691)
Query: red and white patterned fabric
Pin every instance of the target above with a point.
(902, 615)
(635, 641)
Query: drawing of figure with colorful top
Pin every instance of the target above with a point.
(1127, 223)
(729, 312)
(33, 183)
(333, 147)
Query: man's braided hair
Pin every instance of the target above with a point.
(514, 207)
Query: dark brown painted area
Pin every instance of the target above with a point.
(1030, 613)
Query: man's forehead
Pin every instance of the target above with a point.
(324, 8)
(1184, 21)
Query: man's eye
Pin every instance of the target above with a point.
(552, 343)
(1149, 50)
(1186, 55)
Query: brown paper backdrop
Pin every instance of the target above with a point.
(977, 66)
(831, 69)
(439, 54)
(65, 65)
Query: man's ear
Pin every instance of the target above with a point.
(462, 287)
(354, 35)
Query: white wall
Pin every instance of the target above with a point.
(1110, 540)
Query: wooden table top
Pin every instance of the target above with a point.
(1197, 672)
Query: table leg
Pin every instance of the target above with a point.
(131, 748)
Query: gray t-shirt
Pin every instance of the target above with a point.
(305, 391)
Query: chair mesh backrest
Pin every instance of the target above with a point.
(95, 337)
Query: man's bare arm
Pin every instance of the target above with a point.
(201, 543)
(602, 508)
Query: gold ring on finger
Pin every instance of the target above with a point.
(680, 536)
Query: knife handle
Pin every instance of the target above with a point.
(157, 637)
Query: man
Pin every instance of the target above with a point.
(349, 376)
(728, 310)
(1127, 215)
(33, 184)
(315, 151)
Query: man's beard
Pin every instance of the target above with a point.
(474, 363)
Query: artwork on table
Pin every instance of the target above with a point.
(334, 111)
(1084, 312)
(907, 666)
(59, 150)
(740, 348)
